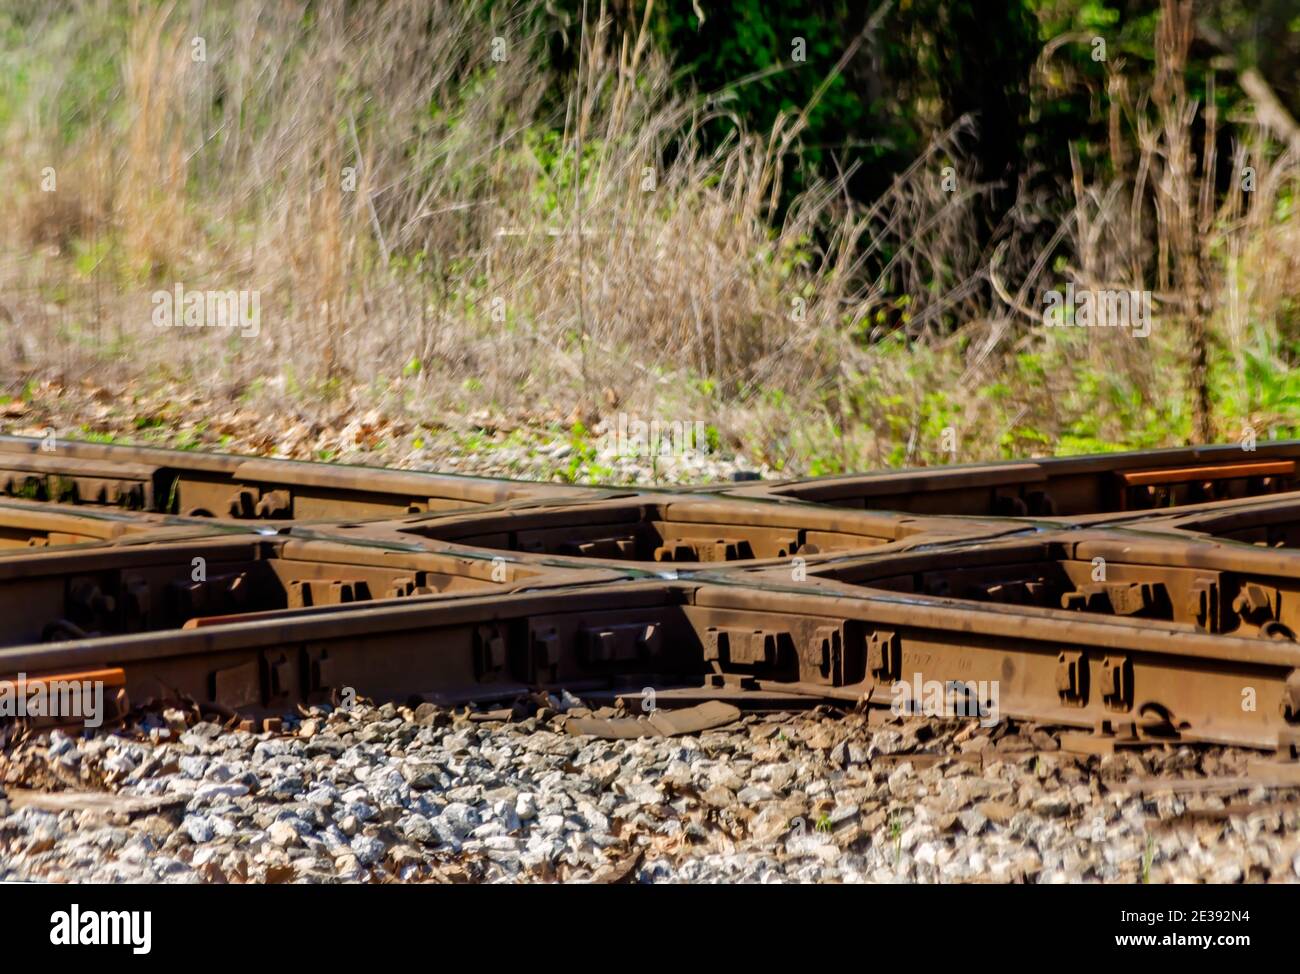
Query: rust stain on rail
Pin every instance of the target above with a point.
(1138, 598)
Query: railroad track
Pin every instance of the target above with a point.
(1137, 597)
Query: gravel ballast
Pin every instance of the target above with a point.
(375, 794)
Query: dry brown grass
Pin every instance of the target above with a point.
(469, 272)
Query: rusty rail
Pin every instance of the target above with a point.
(1138, 597)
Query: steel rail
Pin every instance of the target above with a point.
(1146, 597)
